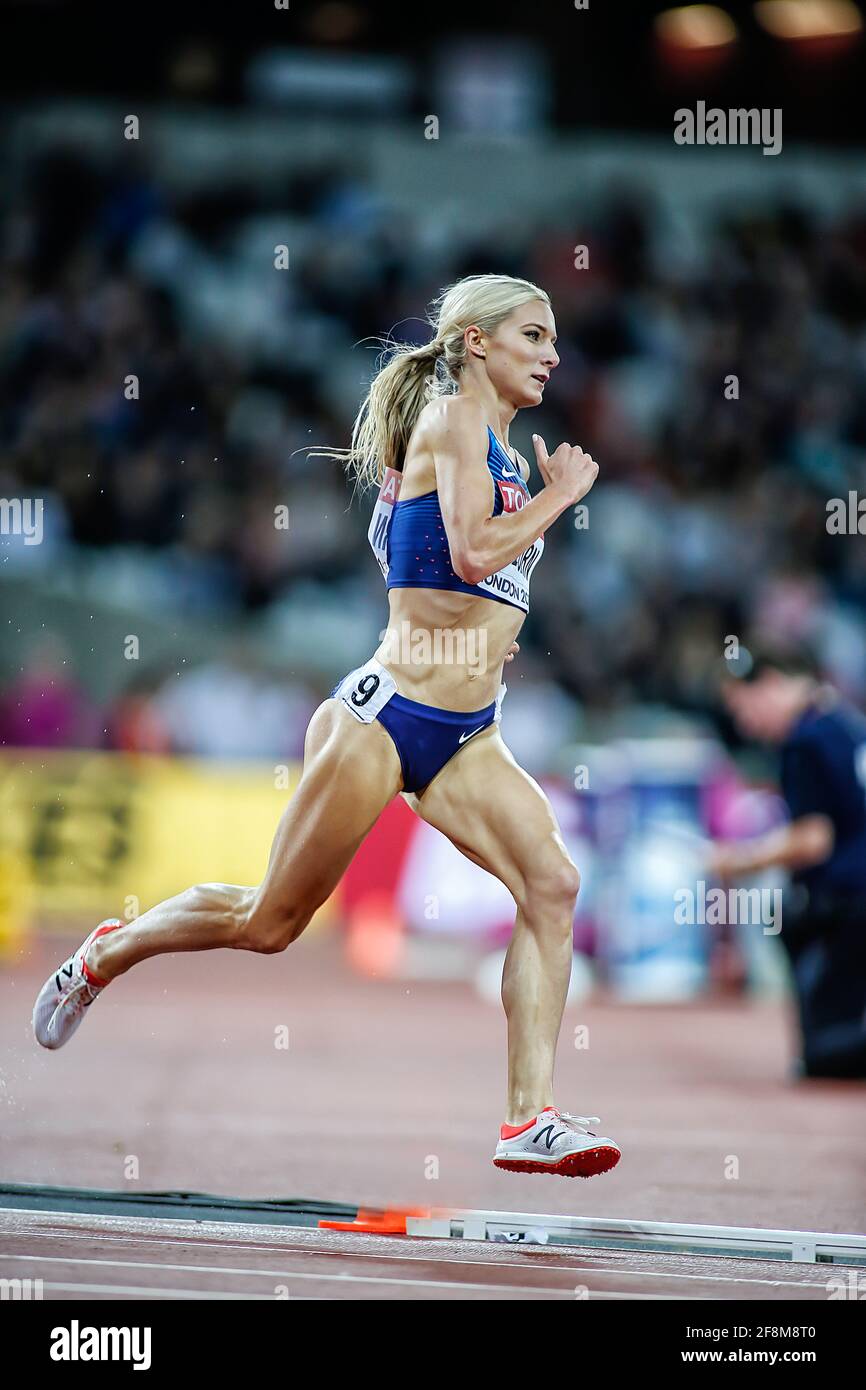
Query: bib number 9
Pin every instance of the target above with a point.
(365, 689)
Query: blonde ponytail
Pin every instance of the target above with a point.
(413, 376)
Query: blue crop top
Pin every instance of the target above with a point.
(409, 539)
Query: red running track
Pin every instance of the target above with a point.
(391, 1094)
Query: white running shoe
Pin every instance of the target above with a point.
(63, 999)
(556, 1142)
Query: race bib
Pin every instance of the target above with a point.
(512, 582)
(366, 690)
(377, 532)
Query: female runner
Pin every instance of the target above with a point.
(457, 535)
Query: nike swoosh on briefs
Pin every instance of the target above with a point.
(464, 737)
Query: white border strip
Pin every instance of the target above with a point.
(755, 1242)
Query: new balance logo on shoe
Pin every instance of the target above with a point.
(548, 1130)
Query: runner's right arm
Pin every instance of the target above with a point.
(479, 543)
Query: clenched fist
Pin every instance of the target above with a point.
(569, 470)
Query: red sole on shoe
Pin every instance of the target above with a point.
(581, 1165)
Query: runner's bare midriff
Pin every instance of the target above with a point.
(448, 648)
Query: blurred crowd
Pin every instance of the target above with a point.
(159, 379)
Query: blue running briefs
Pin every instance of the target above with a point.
(425, 737)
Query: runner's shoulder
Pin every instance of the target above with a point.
(450, 416)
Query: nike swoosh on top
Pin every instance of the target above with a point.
(464, 737)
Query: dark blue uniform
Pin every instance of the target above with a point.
(824, 925)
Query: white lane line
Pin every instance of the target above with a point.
(432, 1258)
(148, 1290)
(292, 1274)
(335, 1278)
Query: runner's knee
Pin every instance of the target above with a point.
(552, 884)
(269, 930)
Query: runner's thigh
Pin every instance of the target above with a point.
(351, 771)
(498, 815)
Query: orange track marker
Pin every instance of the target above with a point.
(391, 1222)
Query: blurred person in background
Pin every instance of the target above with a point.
(46, 706)
(229, 707)
(457, 535)
(133, 722)
(774, 694)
